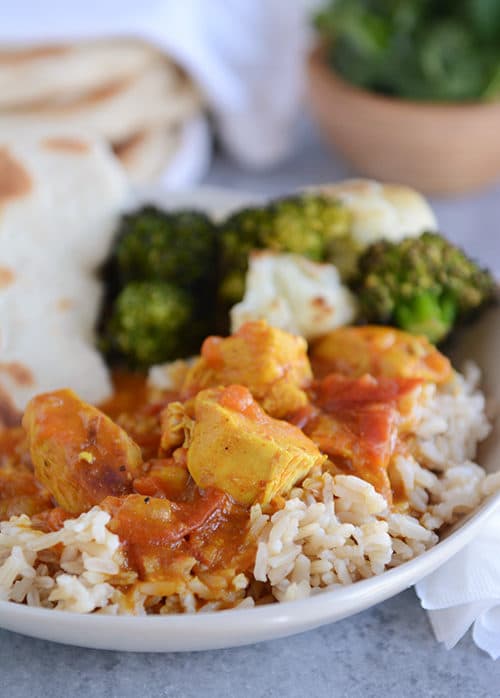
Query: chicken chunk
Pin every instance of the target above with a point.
(379, 351)
(79, 454)
(271, 363)
(232, 444)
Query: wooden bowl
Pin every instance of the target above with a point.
(436, 148)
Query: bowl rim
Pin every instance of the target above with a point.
(317, 65)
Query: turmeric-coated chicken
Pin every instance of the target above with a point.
(79, 454)
(273, 365)
(379, 351)
(232, 444)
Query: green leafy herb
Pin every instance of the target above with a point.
(437, 50)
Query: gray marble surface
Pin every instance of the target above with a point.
(384, 652)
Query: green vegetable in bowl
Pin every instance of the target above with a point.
(416, 49)
(423, 285)
(151, 322)
(305, 224)
(176, 247)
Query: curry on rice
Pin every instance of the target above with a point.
(262, 473)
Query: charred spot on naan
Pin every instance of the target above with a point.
(64, 304)
(15, 180)
(11, 57)
(66, 145)
(125, 150)
(48, 108)
(7, 277)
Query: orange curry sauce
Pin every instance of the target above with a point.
(166, 523)
(170, 523)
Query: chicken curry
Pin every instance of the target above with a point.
(179, 470)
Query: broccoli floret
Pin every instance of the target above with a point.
(305, 224)
(239, 235)
(423, 285)
(161, 262)
(232, 287)
(176, 247)
(150, 322)
(427, 314)
(344, 252)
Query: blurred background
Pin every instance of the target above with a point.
(270, 95)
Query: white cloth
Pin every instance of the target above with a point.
(246, 55)
(465, 591)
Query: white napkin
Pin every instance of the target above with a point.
(465, 591)
(247, 55)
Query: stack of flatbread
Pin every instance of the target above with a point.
(122, 90)
(61, 194)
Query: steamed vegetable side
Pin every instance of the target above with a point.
(415, 49)
(174, 247)
(424, 285)
(161, 286)
(305, 224)
(173, 276)
(150, 321)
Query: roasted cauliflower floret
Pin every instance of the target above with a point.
(379, 351)
(79, 454)
(271, 363)
(233, 445)
(303, 224)
(294, 294)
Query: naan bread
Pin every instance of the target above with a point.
(39, 73)
(62, 189)
(122, 90)
(60, 197)
(160, 94)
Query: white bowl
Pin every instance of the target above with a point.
(176, 633)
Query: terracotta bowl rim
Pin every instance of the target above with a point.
(318, 65)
